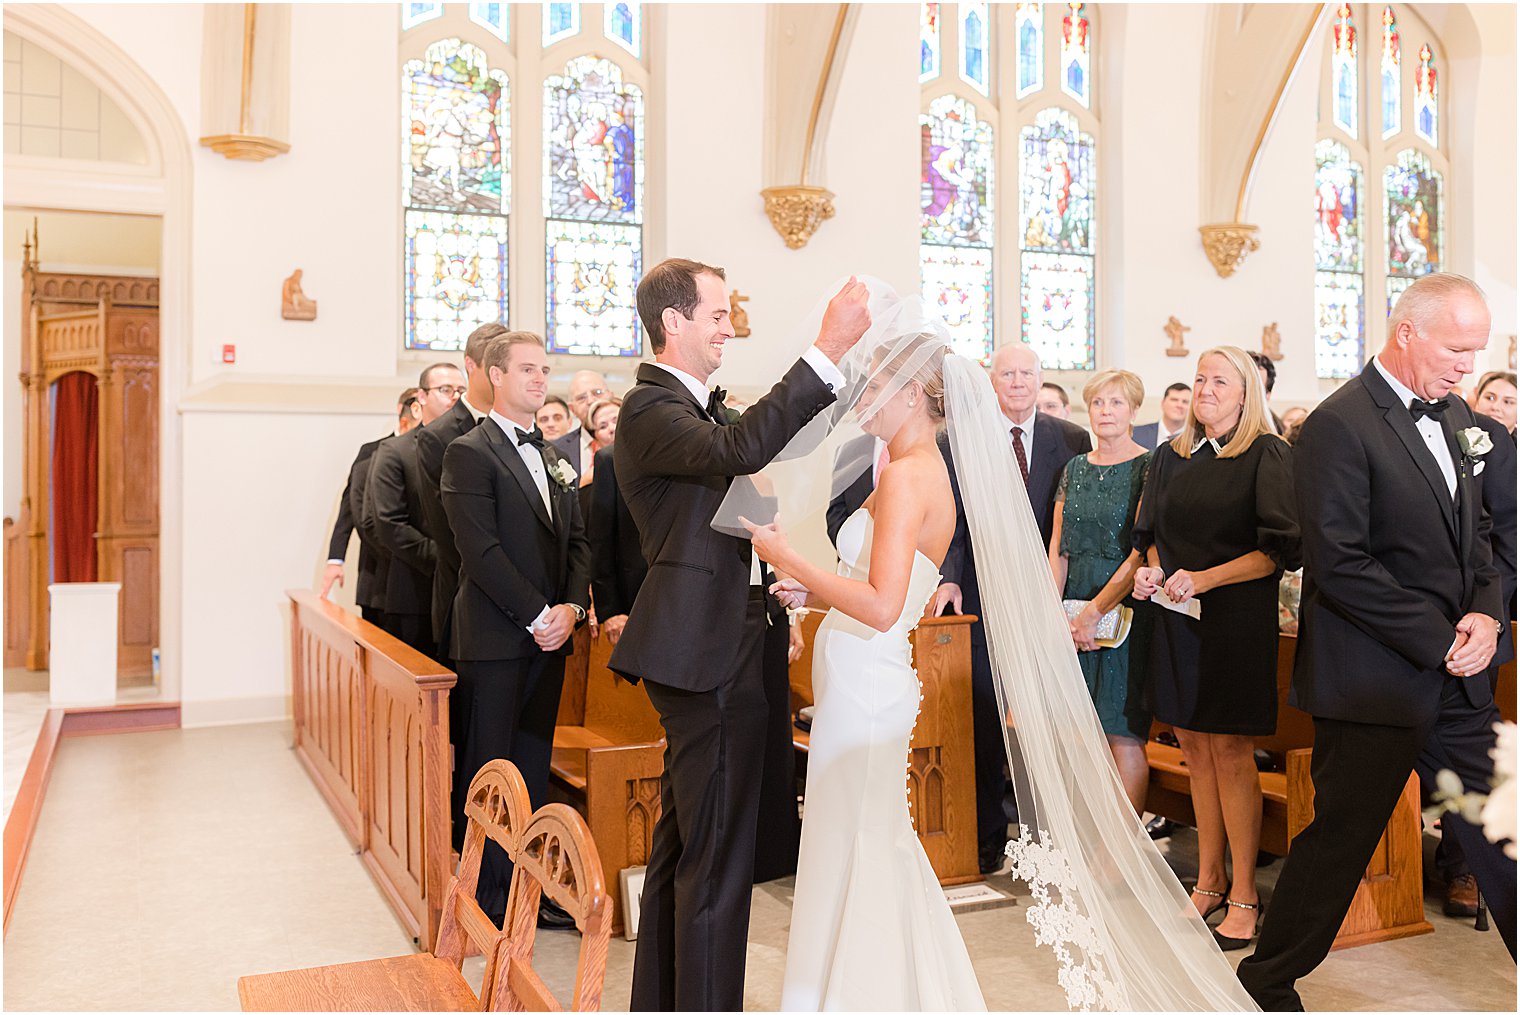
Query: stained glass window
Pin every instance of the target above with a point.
(956, 220)
(928, 42)
(1392, 75)
(594, 200)
(1339, 260)
(622, 23)
(1343, 70)
(1076, 64)
(561, 21)
(1029, 32)
(975, 49)
(1056, 188)
(1412, 189)
(1396, 285)
(456, 276)
(491, 17)
(457, 191)
(1425, 97)
(413, 15)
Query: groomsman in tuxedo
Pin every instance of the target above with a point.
(365, 594)
(617, 563)
(393, 505)
(524, 585)
(1174, 410)
(1042, 445)
(1399, 622)
(467, 412)
(696, 632)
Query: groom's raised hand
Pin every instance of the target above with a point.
(845, 320)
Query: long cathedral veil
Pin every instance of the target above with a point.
(1126, 935)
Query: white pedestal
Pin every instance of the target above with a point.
(82, 644)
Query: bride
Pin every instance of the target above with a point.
(870, 925)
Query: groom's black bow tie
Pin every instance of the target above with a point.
(715, 407)
(1419, 407)
(534, 437)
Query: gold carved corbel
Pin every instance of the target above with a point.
(1227, 245)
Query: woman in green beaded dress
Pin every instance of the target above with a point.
(1092, 560)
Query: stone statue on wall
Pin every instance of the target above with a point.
(1271, 342)
(1175, 329)
(295, 305)
(738, 315)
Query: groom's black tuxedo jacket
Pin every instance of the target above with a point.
(1391, 560)
(515, 557)
(674, 465)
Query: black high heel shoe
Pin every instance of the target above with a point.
(1234, 944)
(1223, 897)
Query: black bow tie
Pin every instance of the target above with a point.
(534, 437)
(715, 407)
(1419, 407)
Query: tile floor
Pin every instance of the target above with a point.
(167, 864)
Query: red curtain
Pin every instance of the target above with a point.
(76, 476)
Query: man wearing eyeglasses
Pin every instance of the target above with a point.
(587, 388)
(393, 511)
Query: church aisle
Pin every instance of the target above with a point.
(167, 864)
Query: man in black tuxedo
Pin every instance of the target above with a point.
(1399, 621)
(349, 511)
(393, 506)
(587, 387)
(432, 440)
(1174, 410)
(696, 631)
(617, 562)
(1042, 445)
(525, 575)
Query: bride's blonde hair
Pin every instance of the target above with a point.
(930, 373)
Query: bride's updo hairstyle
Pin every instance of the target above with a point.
(924, 354)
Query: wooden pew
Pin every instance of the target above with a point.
(1504, 693)
(1390, 900)
(942, 763)
(608, 755)
(552, 855)
(371, 719)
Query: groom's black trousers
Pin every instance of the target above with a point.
(1359, 770)
(694, 913)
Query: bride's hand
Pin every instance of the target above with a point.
(1148, 581)
(769, 542)
(791, 593)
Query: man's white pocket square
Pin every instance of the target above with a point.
(1478, 469)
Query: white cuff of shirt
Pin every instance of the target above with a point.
(824, 367)
(336, 560)
(538, 621)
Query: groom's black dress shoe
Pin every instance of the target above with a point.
(990, 857)
(1160, 828)
(552, 917)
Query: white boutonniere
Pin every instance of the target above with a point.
(563, 475)
(1474, 441)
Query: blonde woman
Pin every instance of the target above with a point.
(1218, 525)
(1091, 559)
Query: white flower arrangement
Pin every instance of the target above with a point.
(563, 475)
(1474, 441)
(1496, 811)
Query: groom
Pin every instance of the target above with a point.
(696, 631)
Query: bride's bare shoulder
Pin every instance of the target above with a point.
(916, 476)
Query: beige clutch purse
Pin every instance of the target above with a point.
(1113, 626)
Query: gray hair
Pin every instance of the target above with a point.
(1426, 298)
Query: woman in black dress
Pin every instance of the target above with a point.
(1218, 525)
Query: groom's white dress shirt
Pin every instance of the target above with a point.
(534, 460)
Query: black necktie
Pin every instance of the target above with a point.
(715, 407)
(534, 437)
(1419, 408)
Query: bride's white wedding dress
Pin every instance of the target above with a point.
(871, 929)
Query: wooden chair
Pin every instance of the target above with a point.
(552, 853)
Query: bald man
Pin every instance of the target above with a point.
(1043, 445)
(587, 387)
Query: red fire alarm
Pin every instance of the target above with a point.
(229, 354)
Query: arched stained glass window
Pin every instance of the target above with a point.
(413, 15)
(457, 193)
(1029, 34)
(493, 17)
(1392, 76)
(1343, 69)
(975, 48)
(1076, 60)
(956, 220)
(594, 206)
(1056, 240)
(1425, 111)
(928, 42)
(1412, 189)
(1339, 250)
(622, 23)
(561, 21)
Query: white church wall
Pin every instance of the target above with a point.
(1492, 166)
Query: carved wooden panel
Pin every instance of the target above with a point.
(327, 724)
(927, 790)
(16, 611)
(136, 489)
(643, 812)
(71, 342)
(121, 289)
(393, 793)
(942, 764)
(132, 333)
